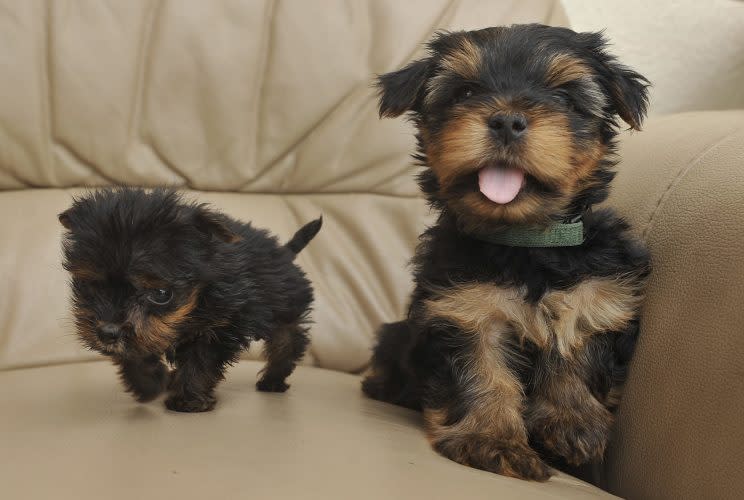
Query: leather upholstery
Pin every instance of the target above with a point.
(233, 95)
(680, 432)
(264, 109)
(226, 97)
(678, 45)
(322, 439)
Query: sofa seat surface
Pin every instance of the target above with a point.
(69, 431)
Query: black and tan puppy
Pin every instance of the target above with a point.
(154, 277)
(524, 314)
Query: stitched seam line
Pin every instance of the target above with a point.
(46, 101)
(225, 191)
(661, 201)
(260, 104)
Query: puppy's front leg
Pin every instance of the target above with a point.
(580, 376)
(389, 377)
(473, 407)
(563, 416)
(567, 420)
(145, 378)
(200, 365)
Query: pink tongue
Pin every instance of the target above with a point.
(500, 185)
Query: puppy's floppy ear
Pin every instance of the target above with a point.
(214, 224)
(402, 90)
(65, 219)
(627, 89)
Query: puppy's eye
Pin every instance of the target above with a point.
(160, 297)
(463, 93)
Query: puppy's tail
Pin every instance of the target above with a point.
(304, 235)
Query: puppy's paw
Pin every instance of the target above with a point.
(147, 394)
(190, 403)
(380, 385)
(578, 435)
(145, 381)
(506, 457)
(372, 387)
(272, 385)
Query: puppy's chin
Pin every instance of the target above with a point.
(117, 349)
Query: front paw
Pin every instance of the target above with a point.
(145, 381)
(511, 458)
(579, 435)
(145, 395)
(272, 385)
(374, 386)
(190, 403)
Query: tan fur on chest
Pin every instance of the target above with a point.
(564, 318)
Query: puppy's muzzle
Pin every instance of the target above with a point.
(110, 333)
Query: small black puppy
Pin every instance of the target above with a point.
(524, 315)
(155, 276)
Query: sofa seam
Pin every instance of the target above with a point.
(85, 163)
(144, 62)
(144, 43)
(265, 64)
(49, 364)
(664, 196)
(444, 17)
(297, 143)
(48, 107)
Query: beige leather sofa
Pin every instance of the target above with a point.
(264, 109)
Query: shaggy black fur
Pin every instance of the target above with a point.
(155, 276)
(426, 363)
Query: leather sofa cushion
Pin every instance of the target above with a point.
(70, 432)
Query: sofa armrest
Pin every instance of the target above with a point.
(680, 431)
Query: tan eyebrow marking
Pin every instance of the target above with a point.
(464, 61)
(565, 68)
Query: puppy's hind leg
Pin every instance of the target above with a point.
(283, 349)
(387, 378)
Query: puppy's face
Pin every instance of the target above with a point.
(137, 263)
(514, 123)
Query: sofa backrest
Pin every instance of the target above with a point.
(264, 108)
(690, 50)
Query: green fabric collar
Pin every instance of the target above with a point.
(566, 234)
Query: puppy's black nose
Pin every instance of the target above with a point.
(109, 333)
(507, 127)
